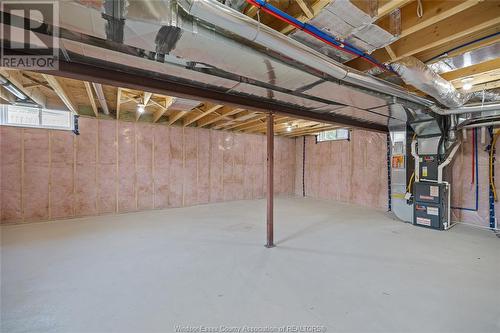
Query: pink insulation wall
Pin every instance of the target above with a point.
(463, 186)
(117, 167)
(352, 171)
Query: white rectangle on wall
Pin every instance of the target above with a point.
(31, 116)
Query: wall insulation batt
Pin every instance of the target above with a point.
(464, 186)
(118, 167)
(353, 171)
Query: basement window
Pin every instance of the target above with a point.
(28, 116)
(333, 135)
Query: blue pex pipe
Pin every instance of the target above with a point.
(477, 177)
(325, 37)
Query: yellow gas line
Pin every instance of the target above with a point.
(492, 183)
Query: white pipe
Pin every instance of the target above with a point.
(483, 136)
(448, 224)
(446, 162)
(100, 97)
(467, 109)
(415, 157)
(464, 134)
(490, 123)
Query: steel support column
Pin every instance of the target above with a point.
(270, 180)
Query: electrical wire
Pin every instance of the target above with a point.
(420, 9)
(492, 149)
(317, 33)
(408, 188)
(412, 178)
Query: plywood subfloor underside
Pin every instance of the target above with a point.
(341, 266)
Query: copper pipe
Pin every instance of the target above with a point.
(270, 180)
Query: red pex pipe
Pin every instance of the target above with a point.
(284, 19)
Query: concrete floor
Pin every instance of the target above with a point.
(339, 266)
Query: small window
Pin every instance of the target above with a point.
(28, 116)
(333, 135)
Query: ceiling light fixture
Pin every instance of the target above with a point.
(140, 108)
(467, 84)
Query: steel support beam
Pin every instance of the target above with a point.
(270, 180)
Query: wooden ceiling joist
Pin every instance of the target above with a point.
(234, 120)
(60, 90)
(33, 92)
(147, 97)
(315, 8)
(223, 114)
(213, 116)
(263, 125)
(259, 120)
(6, 96)
(36, 82)
(434, 12)
(312, 130)
(387, 6)
(90, 95)
(306, 8)
(477, 69)
(203, 111)
(163, 108)
(485, 86)
(176, 116)
(479, 20)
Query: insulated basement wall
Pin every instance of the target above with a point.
(118, 167)
(353, 171)
(463, 184)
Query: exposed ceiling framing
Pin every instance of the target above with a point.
(81, 98)
(445, 28)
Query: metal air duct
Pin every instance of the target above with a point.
(203, 44)
(416, 73)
